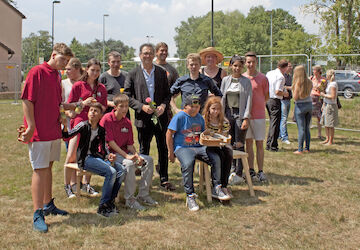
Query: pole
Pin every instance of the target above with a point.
(271, 39)
(52, 23)
(103, 66)
(212, 23)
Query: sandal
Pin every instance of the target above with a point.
(168, 186)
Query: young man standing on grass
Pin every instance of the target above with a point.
(119, 136)
(93, 156)
(257, 125)
(41, 106)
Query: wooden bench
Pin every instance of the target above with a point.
(204, 174)
(79, 174)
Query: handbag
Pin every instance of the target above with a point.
(338, 103)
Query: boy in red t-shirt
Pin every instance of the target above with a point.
(119, 136)
(41, 106)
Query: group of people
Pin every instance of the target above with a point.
(96, 125)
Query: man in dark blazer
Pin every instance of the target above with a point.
(142, 82)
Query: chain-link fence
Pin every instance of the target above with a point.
(10, 82)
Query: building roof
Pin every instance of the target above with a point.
(14, 9)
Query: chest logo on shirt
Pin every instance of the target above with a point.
(124, 130)
(98, 94)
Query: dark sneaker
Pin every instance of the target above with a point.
(191, 202)
(105, 210)
(147, 200)
(89, 190)
(50, 208)
(69, 191)
(168, 186)
(218, 193)
(39, 221)
(73, 187)
(261, 176)
(113, 207)
(253, 174)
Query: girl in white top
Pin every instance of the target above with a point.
(330, 108)
(74, 72)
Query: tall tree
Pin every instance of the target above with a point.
(35, 46)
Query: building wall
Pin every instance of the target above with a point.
(11, 31)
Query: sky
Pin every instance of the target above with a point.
(131, 21)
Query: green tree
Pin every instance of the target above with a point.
(79, 50)
(235, 33)
(35, 46)
(339, 21)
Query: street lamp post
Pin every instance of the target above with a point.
(103, 66)
(149, 37)
(52, 19)
(271, 37)
(212, 23)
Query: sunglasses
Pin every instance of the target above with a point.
(195, 102)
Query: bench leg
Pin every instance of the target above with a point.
(201, 176)
(78, 181)
(247, 175)
(207, 182)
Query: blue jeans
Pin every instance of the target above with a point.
(114, 175)
(187, 157)
(285, 108)
(303, 112)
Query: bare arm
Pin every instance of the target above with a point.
(28, 109)
(173, 104)
(170, 144)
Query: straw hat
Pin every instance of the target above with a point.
(210, 50)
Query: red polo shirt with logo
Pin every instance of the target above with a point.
(119, 131)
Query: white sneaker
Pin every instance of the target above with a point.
(286, 142)
(191, 202)
(234, 179)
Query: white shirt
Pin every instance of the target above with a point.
(327, 91)
(276, 83)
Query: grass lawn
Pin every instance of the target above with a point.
(310, 202)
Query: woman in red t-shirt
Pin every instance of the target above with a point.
(85, 92)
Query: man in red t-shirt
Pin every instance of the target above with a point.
(119, 136)
(41, 106)
(257, 125)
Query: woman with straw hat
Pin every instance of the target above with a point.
(210, 57)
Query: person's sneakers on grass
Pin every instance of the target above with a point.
(218, 193)
(261, 176)
(168, 186)
(234, 179)
(89, 190)
(132, 203)
(50, 208)
(253, 174)
(68, 191)
(106, 210)
(191, 202)
(147, 200)
(39, 221)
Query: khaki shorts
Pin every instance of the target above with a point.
(330, 117)
(41, 153)
(256, 130)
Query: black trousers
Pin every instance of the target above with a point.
(237, 135)
(145, 136)
(273, 107)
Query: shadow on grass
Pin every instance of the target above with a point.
(276, 179)
(346, 141)
(81, 219)
(324, 149)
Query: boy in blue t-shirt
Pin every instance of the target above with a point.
(182, 139)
